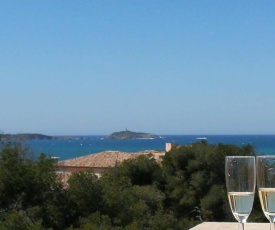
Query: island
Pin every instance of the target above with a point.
(25, 136)
(123, 135)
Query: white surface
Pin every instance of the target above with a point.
(230, 226)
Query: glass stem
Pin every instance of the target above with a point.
(272, 227)
(241, 226)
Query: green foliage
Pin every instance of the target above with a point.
(117, 199)
(212, 204)
(150, 195)
(140, 171)
(29, 186)
(85, 193)
(96, 221)
(163, 221)
(24, 182)
(137, 194)
(18, 220)
(195, 178)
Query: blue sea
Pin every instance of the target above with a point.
(78, 146)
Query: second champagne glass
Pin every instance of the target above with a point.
(240, 175)
(266, 186)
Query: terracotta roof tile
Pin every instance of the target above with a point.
(99, 160)
(107, 159)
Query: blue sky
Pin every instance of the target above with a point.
(164, 67)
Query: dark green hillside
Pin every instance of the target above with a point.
(25, 136)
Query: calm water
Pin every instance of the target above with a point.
(84, 145)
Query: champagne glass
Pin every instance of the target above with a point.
(240, 175)
(266, 186)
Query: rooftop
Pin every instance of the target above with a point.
(106, 159)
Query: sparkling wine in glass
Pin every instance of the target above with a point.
(266, 186)
(240, 175)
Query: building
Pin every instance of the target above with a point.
(99, 162)
(169, 146)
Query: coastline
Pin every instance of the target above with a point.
(84, 145)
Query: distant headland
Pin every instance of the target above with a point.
(123, 135)
(25, 136)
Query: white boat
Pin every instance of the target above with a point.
(201, 138)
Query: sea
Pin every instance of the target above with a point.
(76, 146)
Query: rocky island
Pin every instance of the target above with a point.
(131, 135)
(25, 136)
(35, 136)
